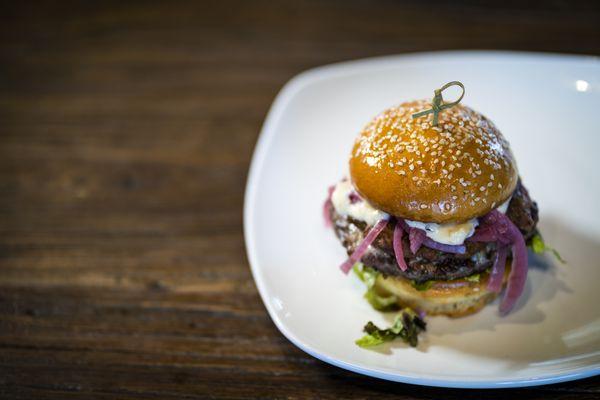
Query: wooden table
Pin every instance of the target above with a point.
(126, 131)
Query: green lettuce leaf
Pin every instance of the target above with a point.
(423, 286)
(381, 303)
(370, 340)
(369, 276)
(473, 278)
(407, 326)
(366, 274)
(539, 246)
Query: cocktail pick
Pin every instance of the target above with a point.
(438, 104)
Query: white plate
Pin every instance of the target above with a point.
(547, 106)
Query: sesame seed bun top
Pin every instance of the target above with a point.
(461, 169)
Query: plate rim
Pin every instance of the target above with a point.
(267, 133)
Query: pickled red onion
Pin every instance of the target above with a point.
(518, 272)
(416, 238)
(327, 207)
(361, 249)
(499, 228)
(497, 274)
(446, 248)
(397, 244)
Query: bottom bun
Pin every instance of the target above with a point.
(454, 298)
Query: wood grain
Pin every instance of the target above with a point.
(126, 131)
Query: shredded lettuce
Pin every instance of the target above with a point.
(539, 246)
(473, 278)
(407, 326)
(366, 274)
(381, 303)
(369, 276)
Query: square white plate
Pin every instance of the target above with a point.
(547, 106)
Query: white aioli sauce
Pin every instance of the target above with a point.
(361, 210)
(451, 233)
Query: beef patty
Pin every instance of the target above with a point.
(428, 264)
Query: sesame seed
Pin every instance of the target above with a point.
(423, 206)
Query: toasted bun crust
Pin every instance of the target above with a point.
(453, 298)
(458, 170)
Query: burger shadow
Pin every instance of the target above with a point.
(548, 273)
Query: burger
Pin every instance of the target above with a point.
(434, 211)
